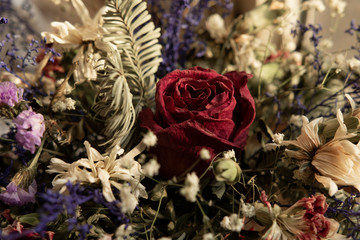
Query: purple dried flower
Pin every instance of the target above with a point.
(30, 129)
(16, 196)
(3, 20)
(10, 94)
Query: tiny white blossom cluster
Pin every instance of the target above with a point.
(229, 154)
(151, 168)
(278, 138)
(204, 154)
(248, 210)
(232, 223)
(337, 7)
(66, 104)
(191, 187)
(215, 25)
(150, 139)
(296, 120)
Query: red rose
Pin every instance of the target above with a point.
(198, 108)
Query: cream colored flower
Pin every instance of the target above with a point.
(215, 25)
(150, 139)
(337, 7)
(337, 162)
(191, 187)
(84, 37)
(105, 170)
(233, 223)
(123, 232)
(151, 168)
(204, 154)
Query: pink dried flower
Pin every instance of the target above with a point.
(30, 129)
(10, 94)
(16, 196)
(314, 204)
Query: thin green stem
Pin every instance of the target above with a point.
(6, 139)
(157, 211)
(53, 152)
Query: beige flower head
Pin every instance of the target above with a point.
(337, 162)
(109, 171)
(83, 37)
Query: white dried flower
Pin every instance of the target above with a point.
(229, 154)
(353, 64)
(65, 35)
(316, 5)
(278, 138)
(272, 89)
(150, 139)
(70, 103)
(337, 7)
(204, 154)
(326, 44)
(232, 223)
(215, 25)
(108, 170)
(68, 89)
(208, 236)
(191, 187)
(128, 200)
(296, 120)
(58, 106)
(123, 232)
(248, 210)
(296, 57)
(290, 46)
(62, 105)
(151, 168)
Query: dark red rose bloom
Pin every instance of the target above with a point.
(198, 108)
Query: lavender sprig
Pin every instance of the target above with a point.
(192, 20)
(348, 209)
(56, 204)
(171, 36)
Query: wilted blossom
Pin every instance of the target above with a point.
(337, 162)
(304, 220)
(30, 129)
(108, 171)
(17, 196)
(10, 94)
(15, 230)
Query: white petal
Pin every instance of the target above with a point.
(104, 178)
(327, 183)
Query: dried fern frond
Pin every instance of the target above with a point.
(115, 99)
(128, 83)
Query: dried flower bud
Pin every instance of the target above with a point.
(227, 170)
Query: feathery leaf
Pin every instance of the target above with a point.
(128, 82)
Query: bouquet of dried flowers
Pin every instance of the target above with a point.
(179, 119)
